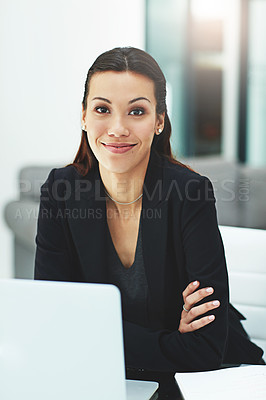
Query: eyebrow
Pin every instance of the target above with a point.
(130, 102)
(137, 99)
(103, 99)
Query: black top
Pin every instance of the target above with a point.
(181, 243)
(132, 282)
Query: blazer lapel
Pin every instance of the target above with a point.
(154, 223)
(88, 225)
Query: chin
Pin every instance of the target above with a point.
(118, 166)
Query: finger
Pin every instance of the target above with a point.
(200, 323)
(194, 298)
(197, 311)
(190, 289)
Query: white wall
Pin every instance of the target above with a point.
(46, 48)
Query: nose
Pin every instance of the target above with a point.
(118, 128)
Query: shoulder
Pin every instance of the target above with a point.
(68, 174)
(65, 180)
(186, 183)
(179, 171)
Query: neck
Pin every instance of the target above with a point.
(124, 188)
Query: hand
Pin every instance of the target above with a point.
(190, 297)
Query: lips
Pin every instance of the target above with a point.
(119, 148)
(119, 145)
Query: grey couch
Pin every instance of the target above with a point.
(21, 216)
(240, 192)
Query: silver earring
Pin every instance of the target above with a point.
(160, 130)
(83, 128)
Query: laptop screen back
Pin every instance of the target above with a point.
(60, 341)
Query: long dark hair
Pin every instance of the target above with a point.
(138, 61)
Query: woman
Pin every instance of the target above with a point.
(126, 212)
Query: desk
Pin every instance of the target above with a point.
(249, 382)
(141, 390)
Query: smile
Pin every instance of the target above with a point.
(118, 148)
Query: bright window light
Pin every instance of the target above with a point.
(209, 9)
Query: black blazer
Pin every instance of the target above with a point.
(181, 243)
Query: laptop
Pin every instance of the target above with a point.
(62, 340)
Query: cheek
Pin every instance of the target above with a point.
(96, 129)
(145, 131)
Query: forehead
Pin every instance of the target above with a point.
(124, 84)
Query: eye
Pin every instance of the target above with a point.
(137, 111)
(101, 110)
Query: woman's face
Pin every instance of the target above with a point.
(121, 119)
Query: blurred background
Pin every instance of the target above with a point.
(214, 58)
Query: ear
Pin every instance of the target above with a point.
(159, 123)
(83, 116)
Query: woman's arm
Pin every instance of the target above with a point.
(53, 258)
(204, 348)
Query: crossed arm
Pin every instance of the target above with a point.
(190, 320)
